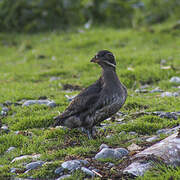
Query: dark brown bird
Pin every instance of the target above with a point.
(97, 102)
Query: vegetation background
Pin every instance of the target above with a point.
(45, 49)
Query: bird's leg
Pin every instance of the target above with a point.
(91, 132)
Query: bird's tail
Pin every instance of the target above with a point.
(57, 121)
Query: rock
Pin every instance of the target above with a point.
(34, 157)
(163, 61)
(137, 168)
(134, 147)
(5, 128)
(110, 165)
(175, 80)
(132, 133)
(109, 153)
(64, 176)
(5, 109)
(10, 149)
(168, 131)
(103, 146)
(54, 78)
(123, 151)
(3, 113)
(34, 165)
(70, 98)
(156, 90)
(141, 91)
(73, 164)
(169, 115)
(151, 139)
(169, 94)
(44, 101)
(59, 170)
(87, 171)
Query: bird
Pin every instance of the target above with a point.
(97, 102)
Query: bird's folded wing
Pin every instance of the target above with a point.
(84, 101)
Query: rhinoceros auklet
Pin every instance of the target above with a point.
(97, 102)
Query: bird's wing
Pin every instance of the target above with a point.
(85, 100)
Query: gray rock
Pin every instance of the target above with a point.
(103, 146)
(54, 78)
(156, 90)
(110, 165)
(5, 128)
(73, 164)
(10, 149)
(64, 177)
(59, 170)
(34, 165)
(161, 131)
(123, 151)
(151, 139)
(5, 109)
(175, 80)
(109, 153)
(169, 94)
(137, 168)
(51, 104)
(3, 113)
(44, 101)
(34, 157)
(169, 115)
(87, 171)
(70, 98)
(141, 91)
(132, 133)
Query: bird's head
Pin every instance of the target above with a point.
(104, 58)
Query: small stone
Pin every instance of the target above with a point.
(44, 101)
(10, 149)
(132, 133)
(3, 113)
(161, 131)
(72, 165)
(163, 61)
(51, 104)
(134, 147)
(5, 128)
(169, 94)
(141, 91)
(59, 170)
(103, 146)
(168, 115)
(5, 109)
(156, 90)
(109, 153)
(54, 78)
(87, 171)
(70, 98)
(34, 157)
(175, 80)
(151, 139)
(34, 165)
(110, 165)
(64, 177)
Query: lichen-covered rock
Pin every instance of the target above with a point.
(34, 165)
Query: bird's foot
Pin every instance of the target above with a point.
(91, 132)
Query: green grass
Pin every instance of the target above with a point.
(28, 61)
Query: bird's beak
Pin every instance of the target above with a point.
(95, 60)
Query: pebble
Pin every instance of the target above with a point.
(134, 147)
(109, 153)
(44, 101)
(156, 90)
(54, 78)
(59, 170)
(3, 113)
(141, 91)
(169, 115)
(87, 171)
(132, 133)
(36, 156)
(175, 80)
(103, 146)
(151, 139)
(169, 94)
(64, 176)
(73, 164)
(5, 128)
(34, 165)
(10, 149)
(5, 109)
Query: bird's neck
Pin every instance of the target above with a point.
(109, 76)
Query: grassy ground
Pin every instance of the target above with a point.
(27, 62)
